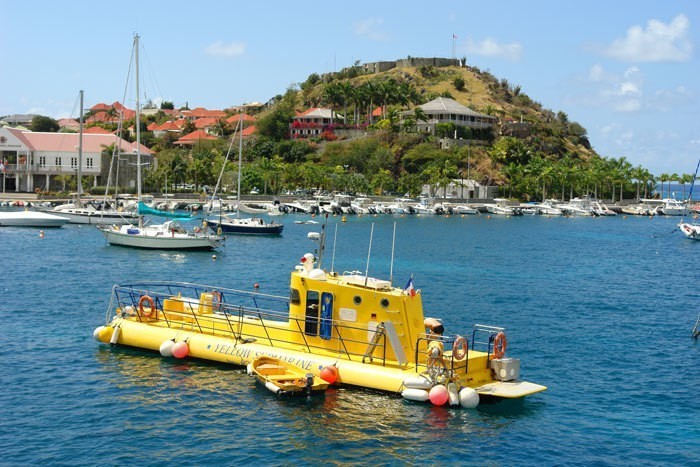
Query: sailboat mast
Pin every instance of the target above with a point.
(80, 150)
(138, 120)
(240, 162)
(690, 195)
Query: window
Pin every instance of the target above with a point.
(59, 163)
(42, 161)
(89, 163)
(73, 162)
(312, 313)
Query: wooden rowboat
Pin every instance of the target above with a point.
(284, 378)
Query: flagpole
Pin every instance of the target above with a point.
(453, 45)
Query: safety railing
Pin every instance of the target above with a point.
(242, 315)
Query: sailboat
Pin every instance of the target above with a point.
(169, 235)
(237, 225)
(691, 230)
(81, 211)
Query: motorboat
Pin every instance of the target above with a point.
(577, 207)
(284, 378)
(600, 209)
(690, 230)
(349, 329)
(501, 208)
(28, 218)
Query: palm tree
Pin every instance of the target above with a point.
(387, 89)
(346, 90)
(332, 95)
(420, 115)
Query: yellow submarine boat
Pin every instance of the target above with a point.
(347, 329)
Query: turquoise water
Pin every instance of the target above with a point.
(598, 309)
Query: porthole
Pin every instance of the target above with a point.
(356, 299)
(384, 302)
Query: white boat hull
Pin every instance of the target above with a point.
(31, 219)
(160, 238)
(86, 216)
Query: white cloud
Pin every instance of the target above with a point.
(219, 49)
(490, 48)
(658, 42)
(596, 73)
(370, 28)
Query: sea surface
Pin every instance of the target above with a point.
(600, 310)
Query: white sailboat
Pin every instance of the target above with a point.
(237, 225)
(81, 211)
(170, 235)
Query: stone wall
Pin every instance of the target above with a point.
(410, 62)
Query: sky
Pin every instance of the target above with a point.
(626, 70)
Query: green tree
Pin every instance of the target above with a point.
(459, 83)
(44, 124)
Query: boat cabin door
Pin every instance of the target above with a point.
(315, 323)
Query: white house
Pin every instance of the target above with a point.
(32, 161)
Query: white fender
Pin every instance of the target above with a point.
(412, 394)
(454, 394)
(468, 398)
(166, 348)
(115, 335)
(274, 389)
(417, 382)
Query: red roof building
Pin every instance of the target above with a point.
(194, 137)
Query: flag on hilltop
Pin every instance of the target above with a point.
(409, 289)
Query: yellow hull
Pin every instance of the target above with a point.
(384, 376)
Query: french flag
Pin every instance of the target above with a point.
(409, 289)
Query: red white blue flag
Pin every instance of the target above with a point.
(409, 289)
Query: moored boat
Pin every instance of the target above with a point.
(31, 219)
(283, 378)
(368, 332)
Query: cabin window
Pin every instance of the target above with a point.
(312, 313)
(384, 302)
(294, 297)
(356, 299)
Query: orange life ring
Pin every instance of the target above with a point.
(151, 306)
(500, 343)
(459, 348)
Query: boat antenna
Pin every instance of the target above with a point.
(391, 267)
(322, 241)
(369, 252)
(335, 236)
